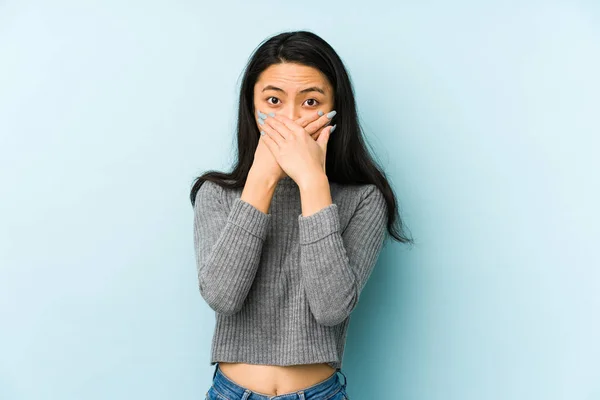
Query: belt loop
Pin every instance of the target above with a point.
(301, 395)
(246, 394)
(345, 379)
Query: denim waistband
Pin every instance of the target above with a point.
(229, 389)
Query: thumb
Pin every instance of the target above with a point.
(323, 139)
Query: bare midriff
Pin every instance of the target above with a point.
(275, 380)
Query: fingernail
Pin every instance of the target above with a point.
(261, 115)
(320, 113)
(261, 121)
(331, 114)
(333, 128)
(272, 114)
(262, 133)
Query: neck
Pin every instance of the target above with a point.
(287, 182)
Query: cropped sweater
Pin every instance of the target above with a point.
(283, 285)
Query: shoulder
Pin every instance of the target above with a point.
(360, 195)
(372, 199)
(364, 212)
(209, 193)
(360, 205)
(370, 190)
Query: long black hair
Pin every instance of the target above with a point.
(348, 160)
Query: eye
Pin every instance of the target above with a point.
(314, 101)
(272, 97)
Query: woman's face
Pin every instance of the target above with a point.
(292, 90)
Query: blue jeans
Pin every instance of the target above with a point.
(224, 388)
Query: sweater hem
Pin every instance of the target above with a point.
(217, 359)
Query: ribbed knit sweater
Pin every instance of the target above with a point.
(283, 285)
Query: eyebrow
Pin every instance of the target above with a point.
(310, 89)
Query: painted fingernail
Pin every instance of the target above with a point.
(333, 128)
(261, 121)
(320, 113)
(272, 114)
(262, 133)
(261, 115)
(331, 114)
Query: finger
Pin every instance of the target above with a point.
(261, 118)
(274, 135)
(283, 123)
(273, 147)
(302, 123)
(276, 123)
(260, 114)
(305, 120)
(319, 132)
(323, 121)
(324, 138)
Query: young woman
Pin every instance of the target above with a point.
(286, 242)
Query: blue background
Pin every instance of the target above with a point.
(484, 114)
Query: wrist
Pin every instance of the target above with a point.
(313, 181)
(315, 194)
(266, 181)
(258, 191)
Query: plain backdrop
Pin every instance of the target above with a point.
(483, 114)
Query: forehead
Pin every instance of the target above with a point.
(292, 76)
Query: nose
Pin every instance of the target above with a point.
(292, 112)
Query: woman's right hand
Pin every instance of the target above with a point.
(265, 163)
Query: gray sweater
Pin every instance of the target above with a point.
(283, 285)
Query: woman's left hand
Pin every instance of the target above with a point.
(298, 154)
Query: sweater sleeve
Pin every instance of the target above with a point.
(228, 242)
(335, 265)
